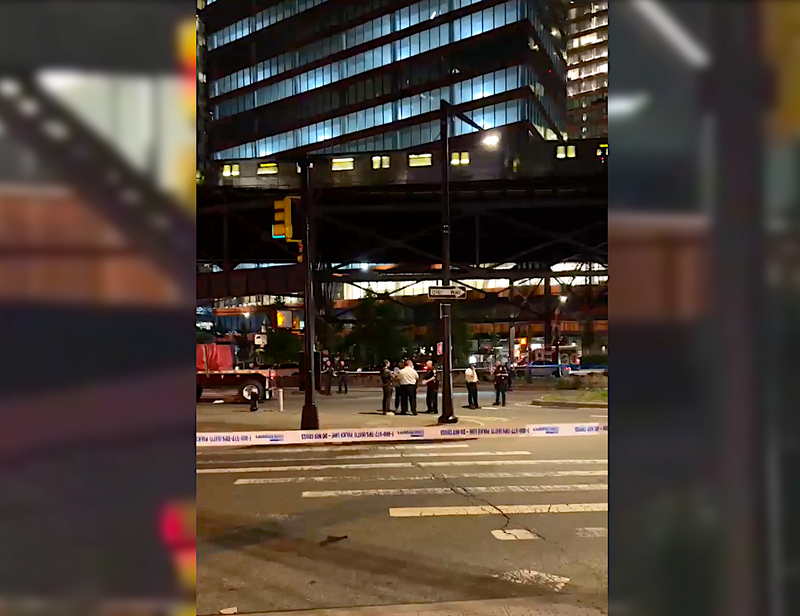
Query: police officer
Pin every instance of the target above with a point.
(431, 380)
(386, 384)
(342, 373)
(501, 378)
(398, 392)
(326, 377)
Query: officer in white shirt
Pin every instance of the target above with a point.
(408, 379)
(471, 376)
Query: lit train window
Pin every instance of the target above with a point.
(561, 152)
(380, 162)
(570, 151)
(419, 160)
(342, 164)
(226, 171)
(235, 170)
(459, 158)
(267, 169)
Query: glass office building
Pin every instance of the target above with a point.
(337, 75)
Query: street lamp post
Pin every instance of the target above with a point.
(557, 333)
(445, 309)
(445, 314)
(309, 420)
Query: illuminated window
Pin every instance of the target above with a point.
(419, 160)
(342, 164)
(570, 151)
(235, 170)
(380, 162)
(267, 169)
(561, 152)
(226, 171)
(459, 158)
(602, 150)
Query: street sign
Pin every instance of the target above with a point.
(447, 293)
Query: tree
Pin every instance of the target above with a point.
(282, 346)
(379, 332)
(587, 337)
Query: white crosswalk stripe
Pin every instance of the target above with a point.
(426, 512)
(565, 487)
(357, 479)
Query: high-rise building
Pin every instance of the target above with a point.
(342, 76)
(587, 72)
(203, 153)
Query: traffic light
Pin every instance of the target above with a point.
(282, 226)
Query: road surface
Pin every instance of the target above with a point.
(338, 526)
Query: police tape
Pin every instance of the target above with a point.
(360, 435)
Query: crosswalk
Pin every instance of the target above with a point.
(406, 482)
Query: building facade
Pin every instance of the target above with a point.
(340, 76)
(203, 153)
(587, 69)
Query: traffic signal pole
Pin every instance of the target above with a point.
(445, 314)
(309, 419)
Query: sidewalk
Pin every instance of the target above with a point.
(495, 607)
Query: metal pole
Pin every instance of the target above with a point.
(557, 336)
(448, 416)
(309, 419)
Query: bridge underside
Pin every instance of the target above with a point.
(533, 225)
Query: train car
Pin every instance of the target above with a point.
(482, 157)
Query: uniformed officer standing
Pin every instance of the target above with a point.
(471, 376)
(431, 380)
(501, 378)
(398, 392)
(343, 368)
(386, 384)
(326, 377)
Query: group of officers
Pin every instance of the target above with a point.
(333, 370)
(403, 382)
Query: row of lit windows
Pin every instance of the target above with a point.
(593, 38)
(348, 164)
(590, 84)
(410, 106)
(259, 21)
(597, 21)
(587, 71)
(465, 27)
(589, 9)
(586, 55)
(375, 29)
(490, 116)
(569, 151)
(363, 33)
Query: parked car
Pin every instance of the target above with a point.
(287, 369)
(548, 369)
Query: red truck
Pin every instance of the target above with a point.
(216, 370)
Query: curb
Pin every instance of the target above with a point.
(569, 405)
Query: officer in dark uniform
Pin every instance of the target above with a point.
(386, 385)
(501, 378)
(326, 377)
(342, 373)
(431, 380)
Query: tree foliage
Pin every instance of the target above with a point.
(378, 334)
(282, 346)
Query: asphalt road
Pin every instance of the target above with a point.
(361, 408)
(337, 526)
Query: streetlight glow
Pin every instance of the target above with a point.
(491, 140)
(563, 299)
